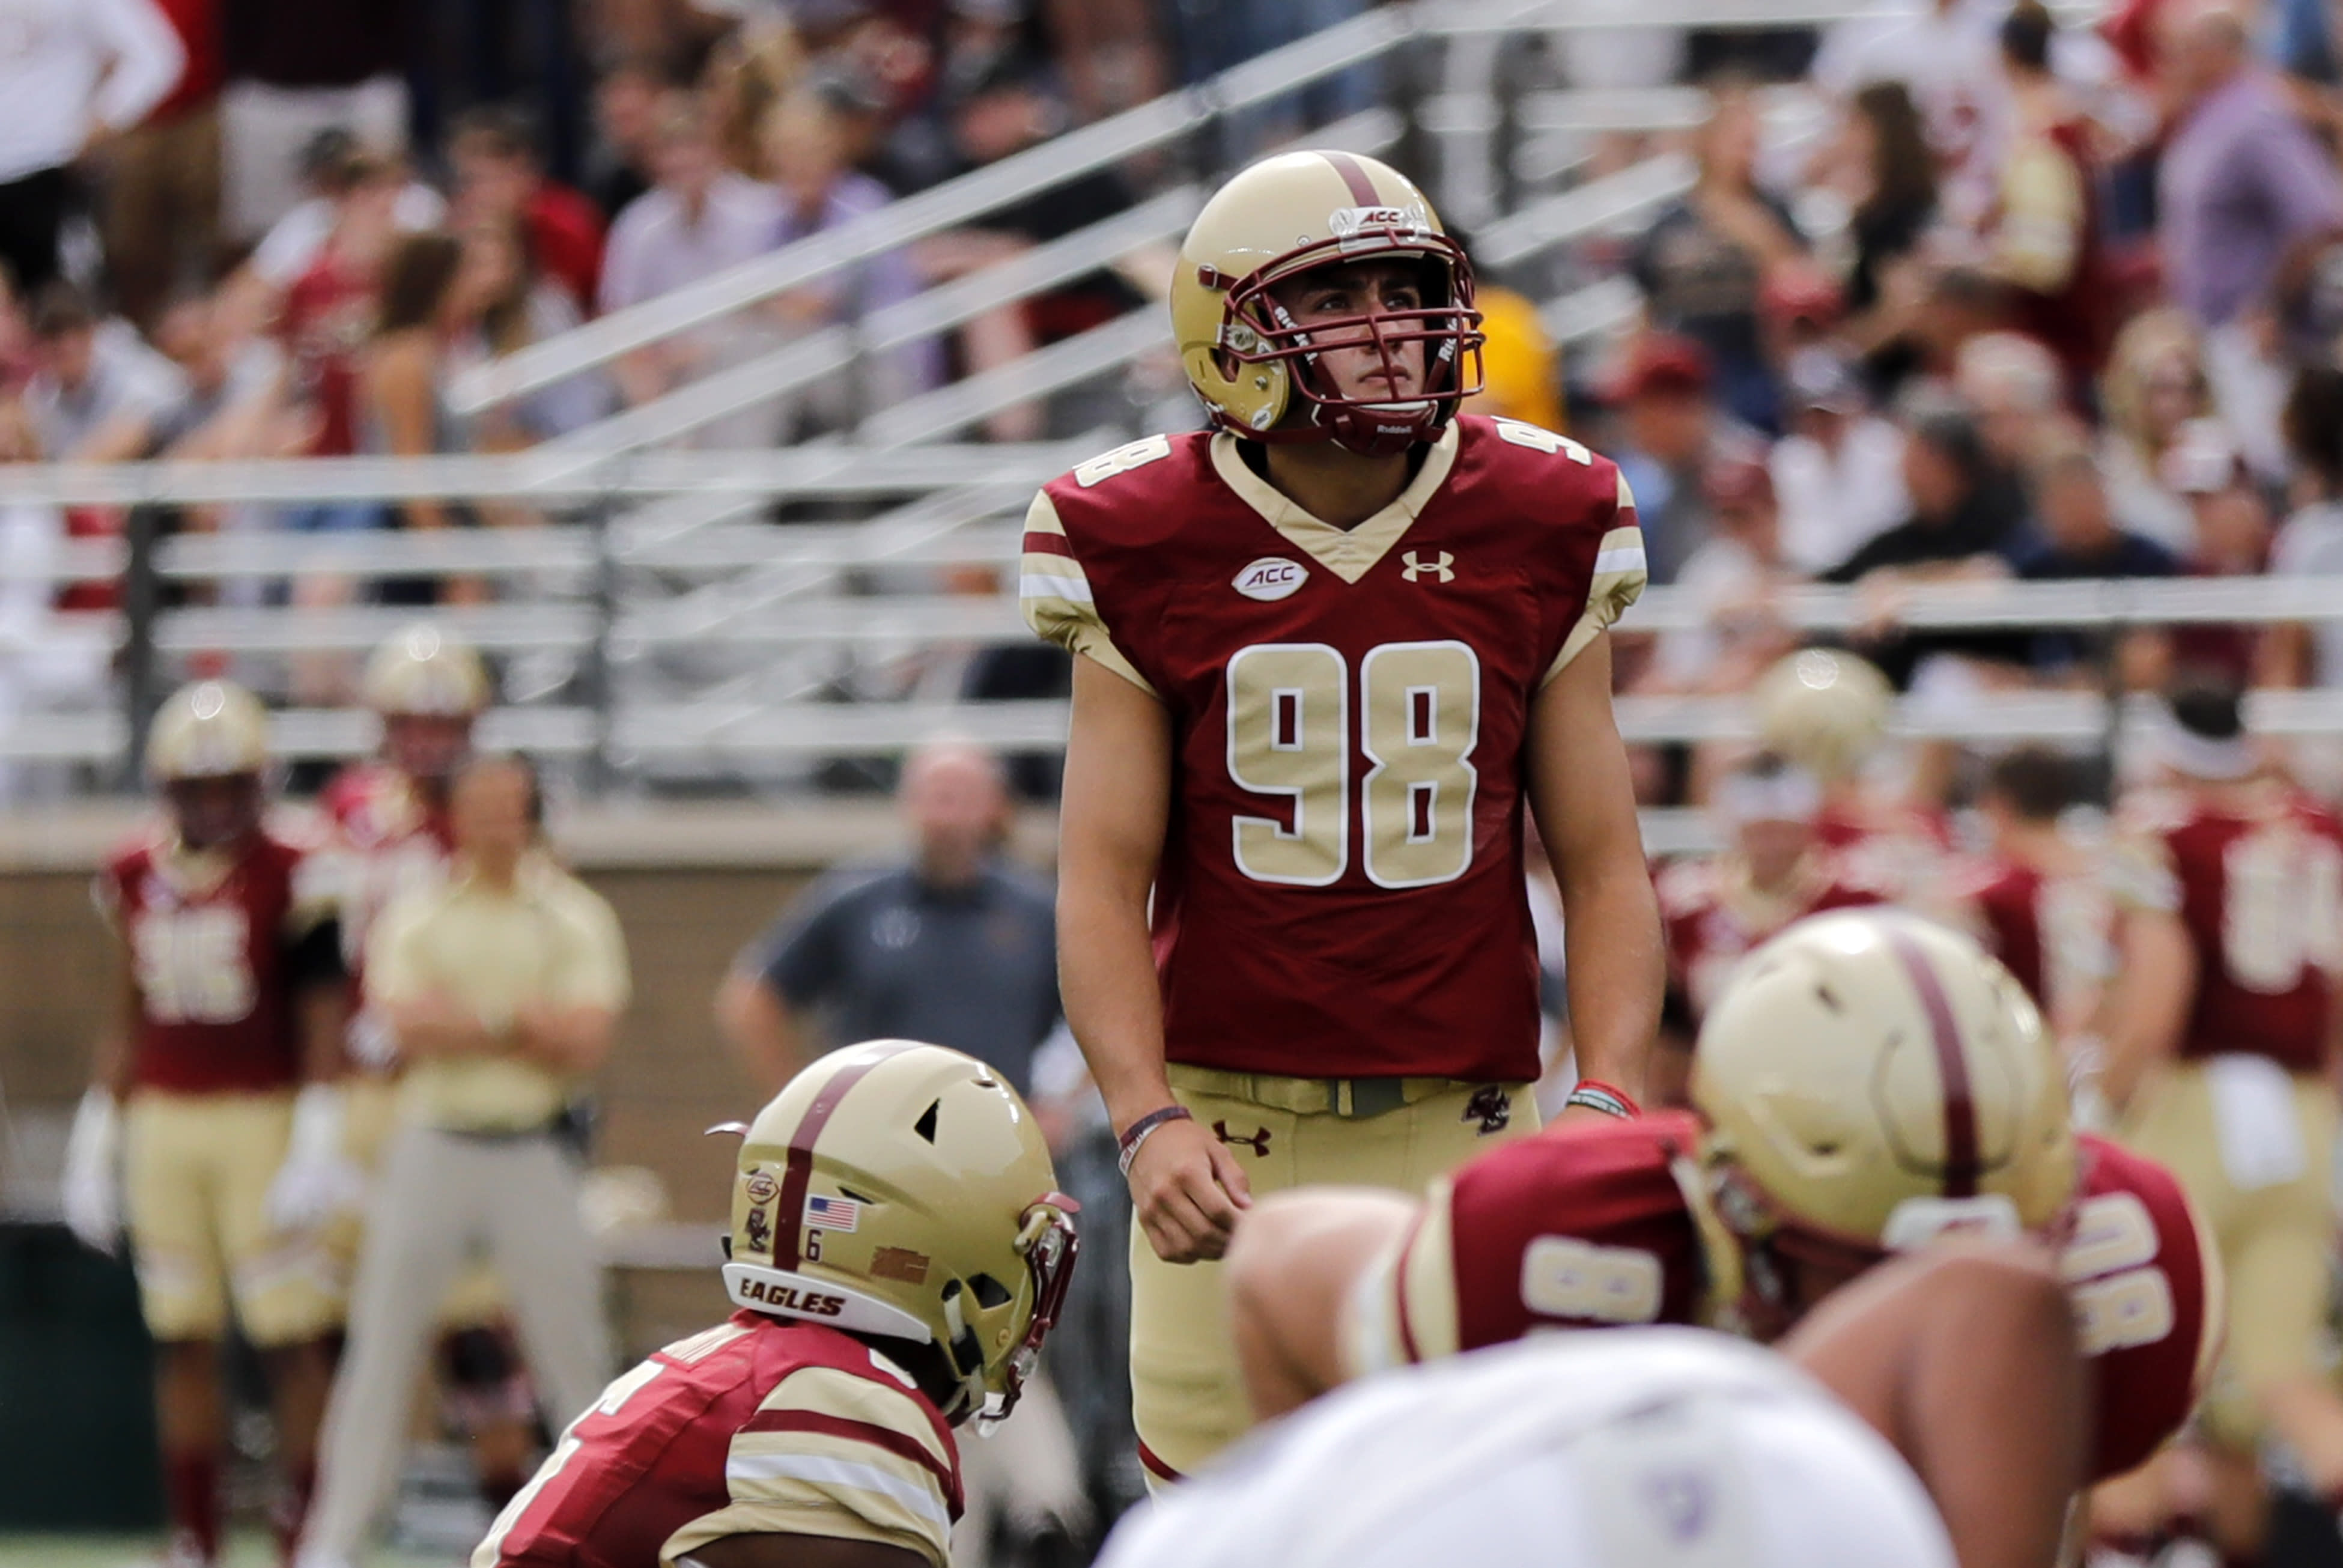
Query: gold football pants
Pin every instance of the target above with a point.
(1188, 1399)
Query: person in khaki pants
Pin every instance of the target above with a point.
(502, 989)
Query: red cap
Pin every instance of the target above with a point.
(1659, 362)
(1738, 482)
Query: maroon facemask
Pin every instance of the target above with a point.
(1256, 330)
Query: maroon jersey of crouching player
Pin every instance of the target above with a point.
(759, 1427)
(1343, 874)
(1611, 1225)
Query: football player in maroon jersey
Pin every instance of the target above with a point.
(2220, 1043)
(1868, 1083)
(1330, 655)
(898, 1250)
(1716, 907)
(2037, 902)
(219, 1097)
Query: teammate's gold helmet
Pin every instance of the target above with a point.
(1244, 356)
(425, 670)
(209, 729)
(903, 1190)
(1823, 710)
(1872, 1081)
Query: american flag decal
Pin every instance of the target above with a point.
(832, 1214)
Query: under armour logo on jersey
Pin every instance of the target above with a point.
(1491, 1106)
(1257, 1142)
(1441, 566)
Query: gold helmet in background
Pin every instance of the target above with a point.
(1824, 709)
(207, 730)
(1872, 1081)
(903, 1190)
(426, 671)
(1245, 357)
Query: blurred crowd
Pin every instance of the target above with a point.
(2043, 303)
(2040, 301)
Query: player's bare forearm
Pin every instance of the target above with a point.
(801, 1552)
(1293, 1270)
(568, 1040)
(323, 1010)
(110, 1060)
(432, 1025)
(2149, 1003)
(1965, 1357)
(763, 1028)
(1117, 804)
(1585, 798)
(1185, 1188)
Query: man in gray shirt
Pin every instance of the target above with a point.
(955, 948)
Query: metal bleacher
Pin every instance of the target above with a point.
(664, 627)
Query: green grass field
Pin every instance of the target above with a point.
(246, 1550)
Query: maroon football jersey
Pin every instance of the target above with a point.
(1596, 1227)
(2055, 934)
(759, 1426)
(1713, 917)
(1341, 884)
(389, 843)
(2258, 882)
(1890, 845)
(209, 937)
(2137, 1266)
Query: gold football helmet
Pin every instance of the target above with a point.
(1245, 357)
(903, 1190)
(209, 729)
(426, 671)
(1824, 709)
(1872, 1081)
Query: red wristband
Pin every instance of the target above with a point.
(1127, 1146)
(1597, 1095)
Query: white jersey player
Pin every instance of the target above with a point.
(1640, 1448)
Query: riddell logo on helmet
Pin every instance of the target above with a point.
(788, 1299)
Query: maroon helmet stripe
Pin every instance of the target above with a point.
(1363, 189)
(1952, 1066)
(1156, 1467)
(799, 1172)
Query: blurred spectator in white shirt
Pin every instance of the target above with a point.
(2013, 384)
(2154, 386)
(506, 304)
(2311, 542)
(98, 388)
(72, 73)
(1734, 578)
(1839, 473)
(698, 220)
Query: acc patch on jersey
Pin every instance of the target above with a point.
(1270, 579)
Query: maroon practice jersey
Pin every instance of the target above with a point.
(1890, 845)
(389, 841)
(759, 1427)
(1341, 884)
(2258, 880)
(1596, 1227)
(2055, 933)
(210, 935)
(1713, 916)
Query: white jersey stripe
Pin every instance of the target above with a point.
(824, 1470)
